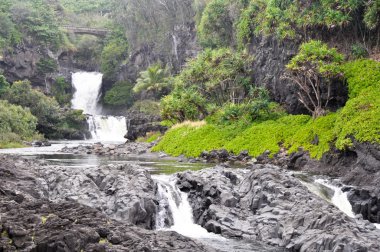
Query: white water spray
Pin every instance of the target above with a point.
(339, 198)
(87, 91)
(180, 209)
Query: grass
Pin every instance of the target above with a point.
(7, 145)
(150, 137)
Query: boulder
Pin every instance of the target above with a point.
(269, 204)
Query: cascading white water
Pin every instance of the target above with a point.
(175, 46)
(107, 128)
(339, 198)
(180, 209)
(87, 91)
(87, 88)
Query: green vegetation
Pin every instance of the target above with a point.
(150, 137)
(216, 26)
(46, 109)
(120, 94)
(216, 76)
(114, 52)
(149, 107)
(16, 125)
(183, 104)
(231, 127)
(285, 20)
(46, 66)
(51, 120)
(154, 80)
(61, 90)
(4, 85)
(361, 74)
(312, 70)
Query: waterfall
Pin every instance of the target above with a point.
(175, 46)
(177, 202)
(86, 97)
(339, 198)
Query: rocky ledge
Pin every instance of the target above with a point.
(268, 204)
(129, 148)
(40, 210)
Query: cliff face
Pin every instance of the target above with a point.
(270, 59)
(182, 45)
(21, 63)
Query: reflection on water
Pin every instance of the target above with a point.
(52, 155)
(152, 164)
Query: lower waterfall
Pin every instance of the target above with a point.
(107, 128)
(173, 201)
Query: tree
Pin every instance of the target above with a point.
(216, 28)
(153, 80)
(220, 75)
(312, 71)
(183, 104)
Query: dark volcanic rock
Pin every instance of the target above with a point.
(30, 222)
(220, 156)
(123, 192)
(139, 124)
(129, 148)
(366, 202)
(68, 226)
(270, 205)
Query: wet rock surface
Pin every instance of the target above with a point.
(220, 156)
(269, 204)
(29, 221)
(365, 202)
(100, 149)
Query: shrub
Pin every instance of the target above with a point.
(44, 108)
(51, 120)
(360, 119)
(61, 90)
(361, 74)
(4, 85)
(16, 124)
(120, 94)
(183, 104)
(289, 19)
(358, 51)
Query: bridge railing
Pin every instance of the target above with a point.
(85, 29)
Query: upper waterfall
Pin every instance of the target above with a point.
(87, 88)
(86, 97)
